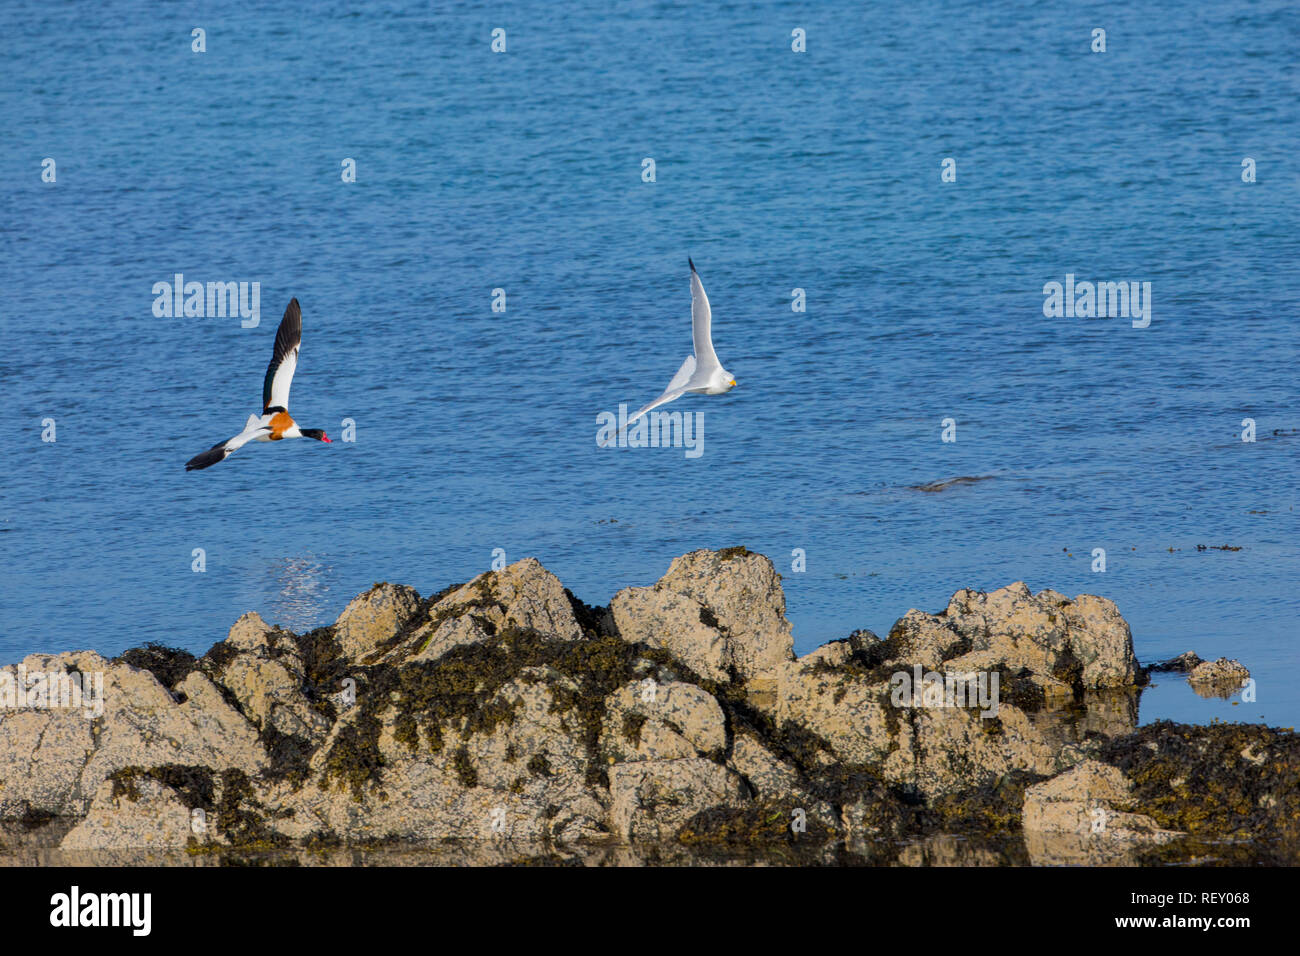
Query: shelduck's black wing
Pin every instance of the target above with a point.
(223, 449)
(210, 457)
(279, 374)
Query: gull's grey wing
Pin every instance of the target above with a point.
(701, 320)
(684, 375)
(664, 399)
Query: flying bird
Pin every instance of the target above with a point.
(701, 373)
(274, 423)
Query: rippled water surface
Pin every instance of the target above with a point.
(521, 171)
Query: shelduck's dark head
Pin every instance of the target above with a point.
(316, 433)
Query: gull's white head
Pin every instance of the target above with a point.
(721, 381)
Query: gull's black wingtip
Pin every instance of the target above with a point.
(688, 259)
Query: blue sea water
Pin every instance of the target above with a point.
(774, 170)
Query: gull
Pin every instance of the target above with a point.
(274, 423)
(701, 373)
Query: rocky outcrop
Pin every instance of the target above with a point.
(722, 613)
(507, 710)
(1080, 817)
(1202, 672)
(263, 669)
(1221, 678)
(147, 813)
(1222, 671)
(650, 800)
(374, 617)
(981, 686)
(522, 596)
(649, 721)
(1182, 664)
(1064, 644)
(53, 759)
(1221, 781)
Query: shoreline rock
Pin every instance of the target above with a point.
(1221, 671)
(1220, 678)
(505, 709)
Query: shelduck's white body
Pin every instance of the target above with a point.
(274, 424)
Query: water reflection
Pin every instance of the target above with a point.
(39, 847)
(302, 594)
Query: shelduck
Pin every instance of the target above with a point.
(274, 424)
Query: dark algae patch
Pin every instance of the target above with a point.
(593, 621)
(1222, 781)
(324, 667)
(169, 665)
(227, 795)
(632, 724)
(33, 819)
(195, 785)
(241, 817)
(465, 772)
(990, 809)
(460, 693)
(290, 755)
(758, 822)
(354, 759)
(539, 766)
